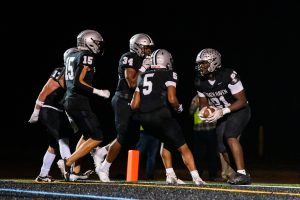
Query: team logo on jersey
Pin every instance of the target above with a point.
(175, 75)
(234, 77)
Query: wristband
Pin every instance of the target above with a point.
(40, 103)
(226, 110)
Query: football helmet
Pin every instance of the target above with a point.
(138, 42)
(161, 58)
(90, 40)
(68, 51)
(212, 56)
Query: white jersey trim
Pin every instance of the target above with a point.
(170, 83)
(236, 88)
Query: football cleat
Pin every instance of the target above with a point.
(173, 180)
(80, 176)
(47, 179)
(103, 176)
(198, 181)
(240, 179)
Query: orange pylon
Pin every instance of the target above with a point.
(133, 166)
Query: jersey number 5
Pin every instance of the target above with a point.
(147, 84)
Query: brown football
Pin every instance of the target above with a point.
(208, 111)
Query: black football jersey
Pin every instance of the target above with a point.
(153, 88)
(127, 60)
(74, 65)
(219, 94)
(55, 98)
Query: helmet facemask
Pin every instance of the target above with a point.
(96, 46)
(203, 68)
(208, 56)
(139, 42)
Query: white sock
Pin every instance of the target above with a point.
(241, 171)
(105, 166)
(170, 171)
(47, 162)
(101, 151)
(195, 174)
(64, 148)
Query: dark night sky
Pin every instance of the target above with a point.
(259, 41)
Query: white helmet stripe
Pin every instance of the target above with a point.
(154, 55)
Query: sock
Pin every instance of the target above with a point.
(101, 151)
(47, 162)
(93, 151)
(242, 171)
(194, 174)
(105, 166)
(64, 148)
(170, 171)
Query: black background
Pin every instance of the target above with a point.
(259, 40)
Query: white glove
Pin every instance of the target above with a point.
(146, 64)
(179, 109)
(102, 93)
(34, 116)
(219, 112)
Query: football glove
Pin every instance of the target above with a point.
(146, 64)
(219, 112)
(34, 116)
(102, 93)
(179, 109)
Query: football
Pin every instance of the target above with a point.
(208, 111)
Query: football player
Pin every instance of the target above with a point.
(223, 88)
(79, 73)
(154, 96)
(49, 111)
(140, 46)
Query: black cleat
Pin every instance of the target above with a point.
(240, 179)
